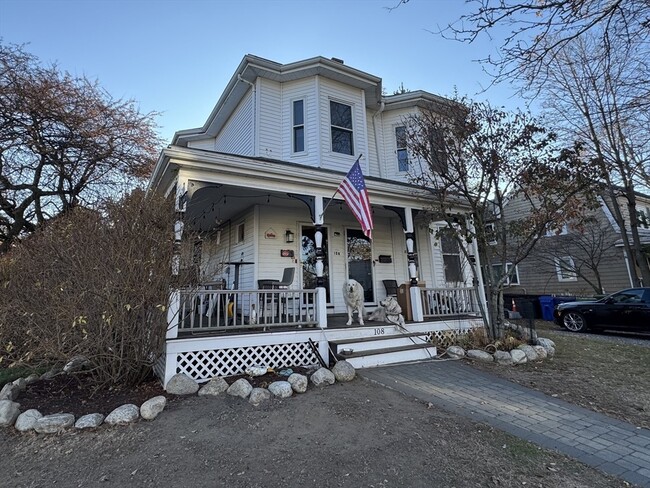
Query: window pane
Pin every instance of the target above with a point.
(341, 115)
(402, 160)
(298, 113)
(400, 137)
(449, 244)
(438, 151)
(298, 139)
(341, 141)
(453, 272)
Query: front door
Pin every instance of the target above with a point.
(308, 258)
(359, 251)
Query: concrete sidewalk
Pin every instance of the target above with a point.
(610, 445)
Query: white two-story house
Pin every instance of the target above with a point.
(256, 187)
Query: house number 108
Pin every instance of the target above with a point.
(379, 331)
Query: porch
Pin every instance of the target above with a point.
(222, 332)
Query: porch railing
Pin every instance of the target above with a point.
(441, 302)
(229, 310)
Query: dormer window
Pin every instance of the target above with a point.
(298, 126)
(402, 153)
(341, 121)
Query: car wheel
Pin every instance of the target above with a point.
(574, 322)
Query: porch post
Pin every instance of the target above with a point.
(173, 305)
(480, 286)
(321, 294)
(416, 297)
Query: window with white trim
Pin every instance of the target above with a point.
(438, 149)
(342, 132)
(240, 233)
(513, 273)
(451, 259)
(565, 269)
(491, 233)
(298, 126)
(557, 231)
(643, 216)
(402, 153)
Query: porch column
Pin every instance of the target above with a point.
(321, 293)
(416, 297)
(173, 306)
(478, 275)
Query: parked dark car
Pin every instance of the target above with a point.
(624, 310)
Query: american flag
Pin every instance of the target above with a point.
(353, 190)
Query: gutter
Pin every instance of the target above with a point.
(382, 106)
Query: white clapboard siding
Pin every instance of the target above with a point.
(271, 129)
(390, 120)
(236, 137)
(306, 90)
(373, 156)
(206, 144)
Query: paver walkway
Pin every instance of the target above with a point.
(615, 447)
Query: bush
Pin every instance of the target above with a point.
(92, 284)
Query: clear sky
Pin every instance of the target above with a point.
(176, 56)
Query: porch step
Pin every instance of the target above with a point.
(367, 352)
(389, 355)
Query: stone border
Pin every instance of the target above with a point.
(544, 348)
(180, 384)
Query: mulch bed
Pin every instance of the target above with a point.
(71, 393)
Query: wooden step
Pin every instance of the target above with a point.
(380, 342)
(389, 355)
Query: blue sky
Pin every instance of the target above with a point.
(176, 56)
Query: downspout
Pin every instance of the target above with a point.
(374, 126)
(252, 85)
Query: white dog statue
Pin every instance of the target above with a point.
(354, 297)
(388, 311)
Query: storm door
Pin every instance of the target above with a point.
(308, 258)
(359, 251)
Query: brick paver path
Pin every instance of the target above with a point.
(615, 447)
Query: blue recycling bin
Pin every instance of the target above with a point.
(547, 305)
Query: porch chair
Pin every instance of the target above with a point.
(283, 284)
(391, 288)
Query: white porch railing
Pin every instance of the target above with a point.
(443, 302)
(228, 310)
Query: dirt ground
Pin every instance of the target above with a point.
(355, 434)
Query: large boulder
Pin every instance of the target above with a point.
(240, 388)
(541, 352)
(27, 420)
(90, 421)
(150, 409)
(456, 352)
(480, 355)
(547, 344)
(51, 424)
(9, 412)
(298, 382)
(125, 414)
(181, 384)
(281, 389)
(503, 357)
(529, 351)
(214, 387)
(323, 377)
(518, 356)
(343, 371)
(259, 395)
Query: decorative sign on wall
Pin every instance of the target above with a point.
(384, 258)
(270, 234)
(286, 253)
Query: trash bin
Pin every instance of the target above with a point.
(547, 304)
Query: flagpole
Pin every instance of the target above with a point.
(337, 190)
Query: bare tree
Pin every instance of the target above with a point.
(487, 159)
(64, 142)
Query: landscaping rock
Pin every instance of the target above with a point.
(323, 377)
(259, 395)
(125, 414)
(214, 387)
(90, 421)
(51, 424)
(150, 409)
(545, 343)
(9, 392)
(281, 389)
(21, 383)
(518, 356)
(181, 384)
(541, 352)
(456, 352)
(480, 355)
(550, 352)
(27, 420)
(503, 357)
(9, 412)
(32, 378)
(76, 364)
(298, 382)
(529, 351)
(240, 388)
(343, 371)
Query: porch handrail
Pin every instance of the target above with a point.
(229, 310)
(442, 302)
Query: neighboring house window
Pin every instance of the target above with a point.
(513, 274)
(341, 120)
(557, 231)
(438, 149)
(643, 216)
(298, 126)
(491, 233)
(451, 259)
(565, 269)
(402, 153)
(240, 233)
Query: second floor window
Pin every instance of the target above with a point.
(438, 149)
(298, 126)
(341, 120)
(402, 153)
